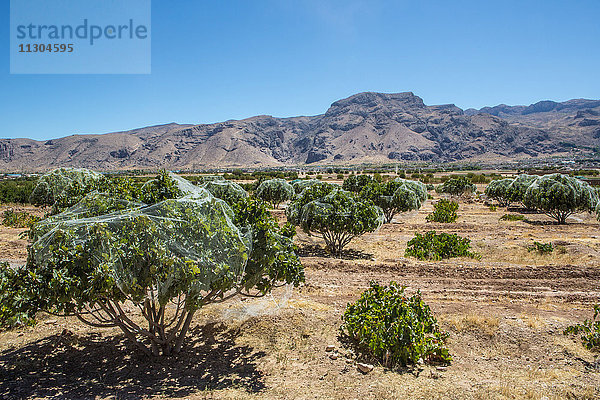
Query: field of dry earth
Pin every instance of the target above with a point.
(505, 313)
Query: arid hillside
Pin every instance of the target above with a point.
(367, 127)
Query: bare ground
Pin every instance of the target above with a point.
(505, 312)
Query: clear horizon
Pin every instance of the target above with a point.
(235, 59)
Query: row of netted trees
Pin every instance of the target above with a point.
(555, 195)
(167, 247)
(361, 205)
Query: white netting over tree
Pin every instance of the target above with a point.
(228, 191)
(169, 258)
(300, 185)
(275, 191)
(64, 187)
(334, 214)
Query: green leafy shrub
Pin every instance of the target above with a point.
(16, 190)
(512, 217)
(444, 211)
(559, 196)
(589, 331)
(430, 186)
(19, 219)
(492, 208)
(433, 246)
(394, 328)
(275, 191)
(541, 248)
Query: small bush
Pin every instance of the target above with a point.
(589, 331)
(512, 217)
(542, 248)
(433, 246)
(444, 211)
(394, 328)
(493, 208)
(18, 219)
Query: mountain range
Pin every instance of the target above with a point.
(364, 128)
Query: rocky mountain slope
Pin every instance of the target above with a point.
(366, 127)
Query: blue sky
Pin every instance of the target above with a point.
(219, 60)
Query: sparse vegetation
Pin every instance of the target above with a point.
(394, 328)
(434, 246)
(541, 248)
(512, 217)
(444, 211)
(589, 331)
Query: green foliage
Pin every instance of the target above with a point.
(334, 214)
(430, 186)
(512, 217)
(433, 246)
(395, 196)
(19, 219)
(444, 211)
(162, 187)
(517, 189)
(16, 190)
(190, 251)
(230, 192)
(202, 179)
(272, 258)
(313, 192)
(394, 328)
(301, 184)
(541, 248)
(499, 190)
(356, 183)
(12, 310)
(589, 331)
(492, 207)
(64, 187)
(559, 196)
(457, 186)
(275, 191)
